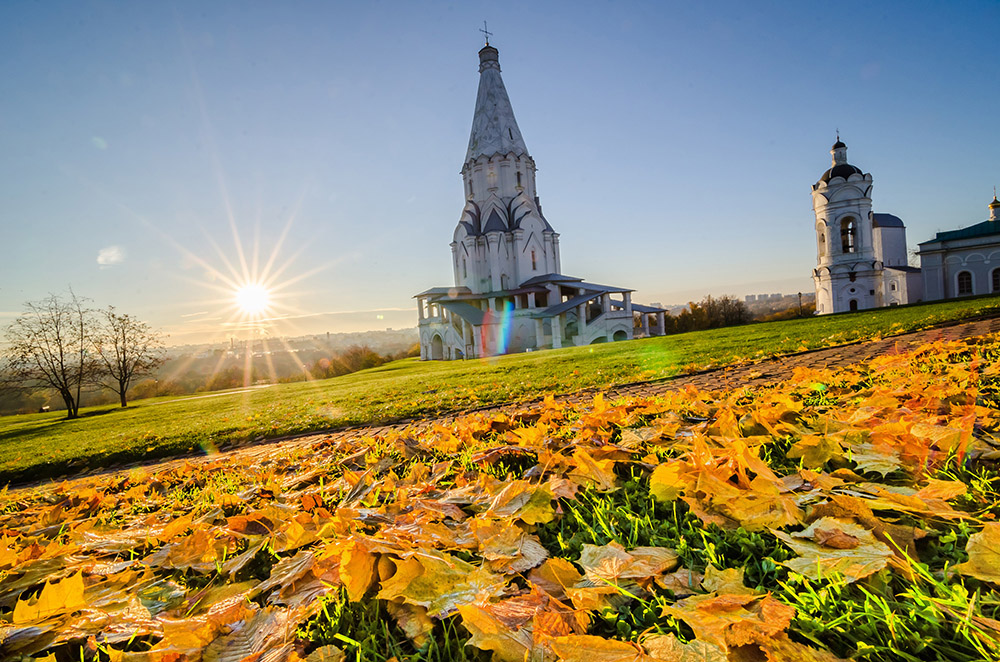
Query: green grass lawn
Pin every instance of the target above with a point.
(38, 446)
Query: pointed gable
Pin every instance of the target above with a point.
(495, 223)
(494, 129)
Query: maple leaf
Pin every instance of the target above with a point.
(412, 620)
(599, 474)
(831, 545)
(681, 582)
(509, 549)
(590, 648)
(329, 653)
(56, 598)
(489, 633)
(668, 481)
(728, 581)
(357, 569)
(727, 620)
(816, 450)
(440, 583)
(779, 648)
(555, 576)
(610, 563)
(984, 555)
(867, 457)
(670, 648)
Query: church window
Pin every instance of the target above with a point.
(964, 283)
(996, 280)
(465, 269)
(519, 178)
(822, 244)
(848, 235)
(853, 304)
(852, 276)
(892, 287)
(470, 188)
(534, 265)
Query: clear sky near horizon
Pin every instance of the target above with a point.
(676, 143)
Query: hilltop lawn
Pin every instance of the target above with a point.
(39, 446)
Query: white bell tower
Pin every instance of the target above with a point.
(848, 274)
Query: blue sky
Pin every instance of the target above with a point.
(676, 143)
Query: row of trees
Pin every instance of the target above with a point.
(61, 344)
(709, 313)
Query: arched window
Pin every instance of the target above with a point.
(964, 283)
(853, 304)
(996, 281)
(848, 235)
(534, 263)
(470, 188)
(518, 177)
(465, 269)
(822, 244)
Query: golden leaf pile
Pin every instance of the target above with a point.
(225, 558)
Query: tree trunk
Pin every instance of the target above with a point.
(122, 396)
(122, 390)
(71, 409)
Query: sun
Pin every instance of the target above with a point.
(253, 299)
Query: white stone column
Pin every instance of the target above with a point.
(661, 323)
(628, 303)
(557, 331)
(539, 332)
(645, 324)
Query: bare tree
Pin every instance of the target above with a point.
(51, 346)
(127, 348)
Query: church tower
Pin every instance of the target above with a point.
(502, 239)
(848, 273)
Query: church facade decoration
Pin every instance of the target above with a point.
(509, 293)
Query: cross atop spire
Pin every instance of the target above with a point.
(486, 33)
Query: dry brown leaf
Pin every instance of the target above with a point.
(818, 559)
(984, 555)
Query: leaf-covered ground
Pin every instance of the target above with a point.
(847, 514)
(35, 446)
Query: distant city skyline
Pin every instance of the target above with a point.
(156, 156)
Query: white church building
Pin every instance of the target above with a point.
(964, 262)
(510, 294)
(861, 256)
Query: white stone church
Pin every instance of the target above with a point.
(509, 293)
(862, 256)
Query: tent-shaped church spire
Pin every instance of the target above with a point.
(494, 129)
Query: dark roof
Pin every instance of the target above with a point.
(601, 288)
(639, 308)
(443, 291)
(550, 278)
(469, 313)
(984, 229)
(838, 145)
(562, 307)
(844, 170)
(907, 269)
(887, 221)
